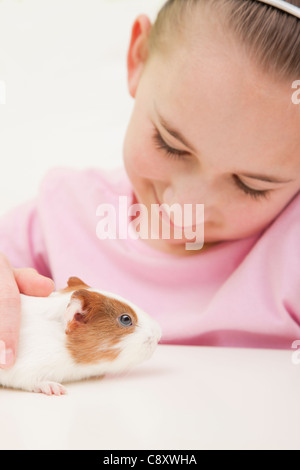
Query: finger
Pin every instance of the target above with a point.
(10, 307)
(30, 282)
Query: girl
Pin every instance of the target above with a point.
(215, 122)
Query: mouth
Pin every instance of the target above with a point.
(150, 346)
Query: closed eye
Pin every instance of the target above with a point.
(182, 155)
(169, 151)
(254, 193)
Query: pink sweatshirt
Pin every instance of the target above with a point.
(243, 293)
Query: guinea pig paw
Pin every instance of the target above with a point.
(50, 388)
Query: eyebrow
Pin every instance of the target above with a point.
(178, 136)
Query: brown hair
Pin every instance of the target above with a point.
(269, 36)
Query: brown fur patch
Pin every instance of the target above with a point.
(94, 336)
(74, 283)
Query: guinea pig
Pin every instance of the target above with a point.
(78, 333)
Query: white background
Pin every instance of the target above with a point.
(63, 63)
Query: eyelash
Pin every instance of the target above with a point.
(251, 192)
(180, 155)
(170, 152)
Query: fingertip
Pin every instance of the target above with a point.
(49, 285)
(31, 282)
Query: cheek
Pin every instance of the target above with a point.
(239, 220)
(141, 158)
(247, 219)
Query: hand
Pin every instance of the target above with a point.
(13, 282)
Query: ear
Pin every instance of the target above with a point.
(74, 314)
(76, 282)
(138, 51)
(79, 309)
(73, 284)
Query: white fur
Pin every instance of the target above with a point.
(43, 360)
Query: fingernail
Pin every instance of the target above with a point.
(6, 355)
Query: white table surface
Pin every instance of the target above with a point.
(187, 398)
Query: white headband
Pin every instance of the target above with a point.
(283, 5)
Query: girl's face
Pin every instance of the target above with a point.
(208, 128)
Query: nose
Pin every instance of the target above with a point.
(185, 195)
(192, 205)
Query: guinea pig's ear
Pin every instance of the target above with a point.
(78, 308)
(75, 281)
(73, 313)
(73, 284)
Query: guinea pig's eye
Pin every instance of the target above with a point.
(125, 320)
